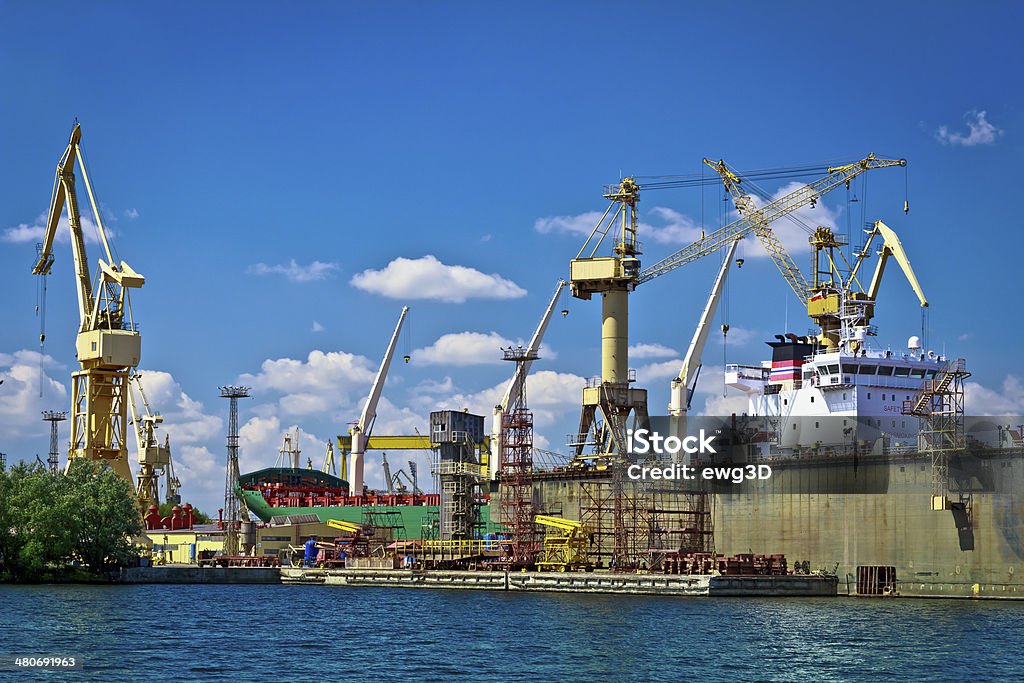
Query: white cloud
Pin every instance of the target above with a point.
(429, 278)
(296, 272)
(675, 228)
(317, 327)
(740, 336)
(580, 224)
(656, 372)
(550, 395)
(1008, 399)
(34, 232)
(642, 351)
(980, 131)
(325, 381)
(444, 386)
(131, 214)
(185, 419)
(463, 348)
(717, 405)
(20, 402)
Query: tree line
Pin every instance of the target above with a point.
(54, 526)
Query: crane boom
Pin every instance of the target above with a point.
(891, 245)
(681, 385)
(758, 220)
(361, 431)
(515, 385)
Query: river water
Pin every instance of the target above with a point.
(316, 633)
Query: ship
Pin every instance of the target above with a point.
(943, 514)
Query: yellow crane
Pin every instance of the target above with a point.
(609, 399)
(108, 344)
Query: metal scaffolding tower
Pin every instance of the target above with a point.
(516, 487)
(53, 417)
(231, 502)
(3, 461)
(941, 407)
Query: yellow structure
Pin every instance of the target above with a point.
(108, 343)
(565, 544)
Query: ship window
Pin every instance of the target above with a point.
(908, 398)
(834, 368)
(868, 369)
(902, 372)
(844, 395)
(822, 371)
(869, 395)
(794, 425)
(917, 372)
(785, 401)
(817, 425)
(850, 368)
(885, 370)
(931, 374)
(903, 424)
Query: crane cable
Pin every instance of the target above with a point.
(41, 314)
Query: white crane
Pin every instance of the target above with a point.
(515, 385)
(685, 382)
(361, 431)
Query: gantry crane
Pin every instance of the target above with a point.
(360, 432)
(609, 400)
(515, 386)
(108, 344)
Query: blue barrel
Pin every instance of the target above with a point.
(310, 552)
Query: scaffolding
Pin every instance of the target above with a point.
(635, 527)
(680, 524)
(516, 485)
(940, 405)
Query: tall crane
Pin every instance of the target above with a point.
(515, 386)
(609, 400)
(360, 432)
(108, 344)
(685, 382)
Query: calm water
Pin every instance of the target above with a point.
(300, 633)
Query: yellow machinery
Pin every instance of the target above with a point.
(565, 544)
(347, 527)
(108, 344)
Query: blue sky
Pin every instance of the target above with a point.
(227, 144)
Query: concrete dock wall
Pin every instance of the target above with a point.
(193, 574)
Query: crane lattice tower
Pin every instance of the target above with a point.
(53, 417)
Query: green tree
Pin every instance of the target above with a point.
(35, 539)
(105, 519)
